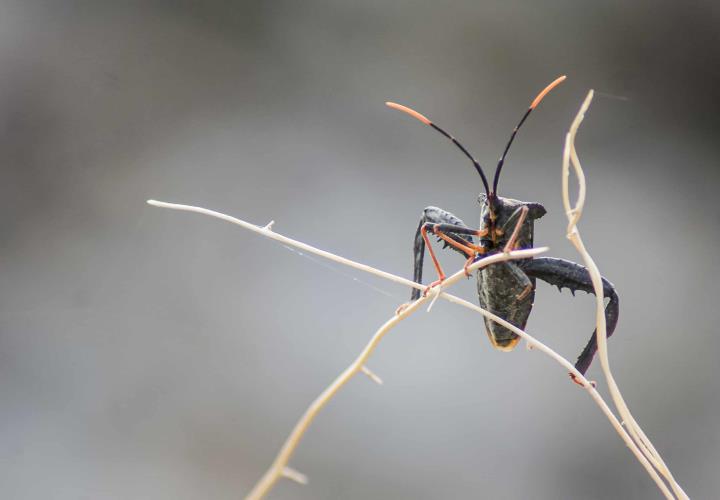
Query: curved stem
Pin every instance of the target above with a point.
(574, 213)
(279, 467)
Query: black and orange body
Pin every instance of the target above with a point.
(506, 289)
(503, 289)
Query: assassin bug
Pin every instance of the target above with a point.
(506, 289)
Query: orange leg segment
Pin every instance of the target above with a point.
(514, 236)
(468, 248)
(441, 274)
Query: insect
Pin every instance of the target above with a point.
(506, 289)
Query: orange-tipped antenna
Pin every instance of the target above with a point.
(547, 90)
(409, 111)
(426, 121)
(533, 105)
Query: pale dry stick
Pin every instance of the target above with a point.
(279, 467)
(266, 231)
(533, 343)
(274, 473)
(574, 213)
(634, 428)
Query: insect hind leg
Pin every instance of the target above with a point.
(565, 274)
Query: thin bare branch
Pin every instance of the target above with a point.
(279, 466)
(574, 213)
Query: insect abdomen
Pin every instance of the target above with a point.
(502, 293)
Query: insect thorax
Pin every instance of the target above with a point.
(506, 212)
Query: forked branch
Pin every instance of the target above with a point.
(633, 437)
(280, 468)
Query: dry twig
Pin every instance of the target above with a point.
(634, 437)
(279, 468)
(573, 234)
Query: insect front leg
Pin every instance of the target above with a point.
(447, 227)
(563, 273)
(517, 218)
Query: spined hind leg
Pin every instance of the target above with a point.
(563, 273)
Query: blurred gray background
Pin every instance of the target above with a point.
(150, 354)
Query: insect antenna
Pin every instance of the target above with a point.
(424, 120)
(533, 105)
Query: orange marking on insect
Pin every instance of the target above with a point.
(409, 111)
(434, 283)
(578, 382)
(465, 248)
(546, 90)
(524, 293)
(439, 270)
(505, 348)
